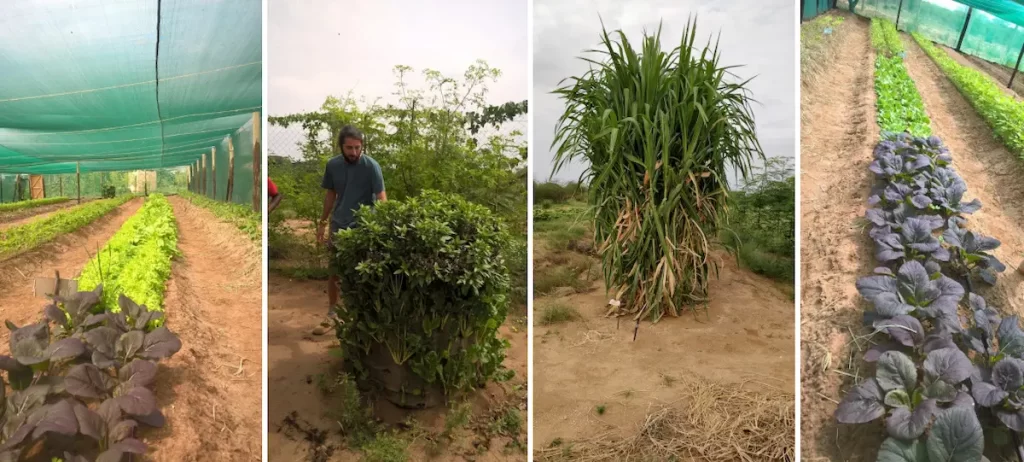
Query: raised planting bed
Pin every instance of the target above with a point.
(5, 208)
(136, 262)
(424, 287)
(1001, 111)
(27, 236)
(242, 216)
(79, 382)
(900, 107)
(947, 367)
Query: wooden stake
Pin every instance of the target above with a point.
(963, 32)
(203, 181)
(231, 170)
(213, 177)
(78, 180)
(256, 163)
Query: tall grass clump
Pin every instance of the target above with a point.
(657, 129)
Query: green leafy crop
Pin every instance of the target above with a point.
(885, 38)
(900, 107)
(242, 216)
(31, 204)
(34, 233)
(425, 285)
(136, 262)
(1002, 112)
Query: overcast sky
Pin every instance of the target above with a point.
(318, 48)
(758, 35)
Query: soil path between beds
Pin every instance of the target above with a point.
(838, 135)
(211, 391)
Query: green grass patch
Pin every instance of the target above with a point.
(549, 279)
(386, 447)
(242, 216)
(15, 206)
(25, 237)
(136, 261)
(558, 313)
(1001, 111)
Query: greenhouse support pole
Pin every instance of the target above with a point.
(898, 13)
(963, 33)
(60, 183)
(231, 171)
(1012, 76)
(256, 164)
(78, 180)
(213, 167)
(202, 183)
(1, 189)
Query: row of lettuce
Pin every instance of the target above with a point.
(136, 261)
(29, 204)
(948, 368)
(900, 106)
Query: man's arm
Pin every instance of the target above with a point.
(329, 197)
(382, 196)
(378, 184)
(274, 202)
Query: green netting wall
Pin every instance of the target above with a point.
(124, 86)
(242, 187)
(995, 32)
(168, 180)
(810, 9)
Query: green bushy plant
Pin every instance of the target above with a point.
(424, 286)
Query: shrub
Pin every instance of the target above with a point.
(425, 286)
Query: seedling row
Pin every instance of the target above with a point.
(29, 204)
(81, 378)
(30, 235)
(948, 368)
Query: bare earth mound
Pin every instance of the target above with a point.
(596, 390)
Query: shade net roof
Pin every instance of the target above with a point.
(124, 84)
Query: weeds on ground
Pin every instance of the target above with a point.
(557, 313)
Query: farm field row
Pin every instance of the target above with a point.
(971, 159)
(168, 255)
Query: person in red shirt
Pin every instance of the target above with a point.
(274, 194)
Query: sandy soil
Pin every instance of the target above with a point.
(212, 389)
(837, 137)
(296, 359)
(836, 250)
(20, 217)
(592, 362)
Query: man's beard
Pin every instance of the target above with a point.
(350, 159)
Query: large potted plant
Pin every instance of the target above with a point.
(424, 287)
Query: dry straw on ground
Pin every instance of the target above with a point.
(710, 423)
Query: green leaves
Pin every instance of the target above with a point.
(1002, 112)
(431, 280)
(900, 107)
(136, 262)
(27, 236)
(658, 130)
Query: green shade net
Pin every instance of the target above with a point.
(810, 9)
(93, 83)
(995, 32)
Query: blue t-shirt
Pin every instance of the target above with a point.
(356, 184)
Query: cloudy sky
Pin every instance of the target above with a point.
(758, 35)
(317, 48)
